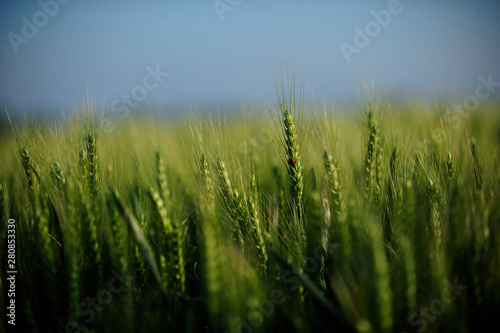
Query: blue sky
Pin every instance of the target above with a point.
(427, 48)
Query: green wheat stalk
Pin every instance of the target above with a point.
(92, 167)
(451, 169)
(29, 168)
(433, 222)
(373, 161)
(162, 178)
(334, 187)
(230, 201)
(205, 178)
(256, 232)
(58, 177)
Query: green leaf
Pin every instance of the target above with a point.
(138, 235)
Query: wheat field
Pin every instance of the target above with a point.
(302, 220)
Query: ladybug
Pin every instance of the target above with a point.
(291, 161)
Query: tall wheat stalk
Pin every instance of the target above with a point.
(29, 168)
(233, 203)
(256, 228)
(92, 167)
(289, 111)
(373, 160)
(205, 178)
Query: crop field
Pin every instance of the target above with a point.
(302, 219)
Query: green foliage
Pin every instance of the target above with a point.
(364, 242)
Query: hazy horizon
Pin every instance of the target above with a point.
(171, 54)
